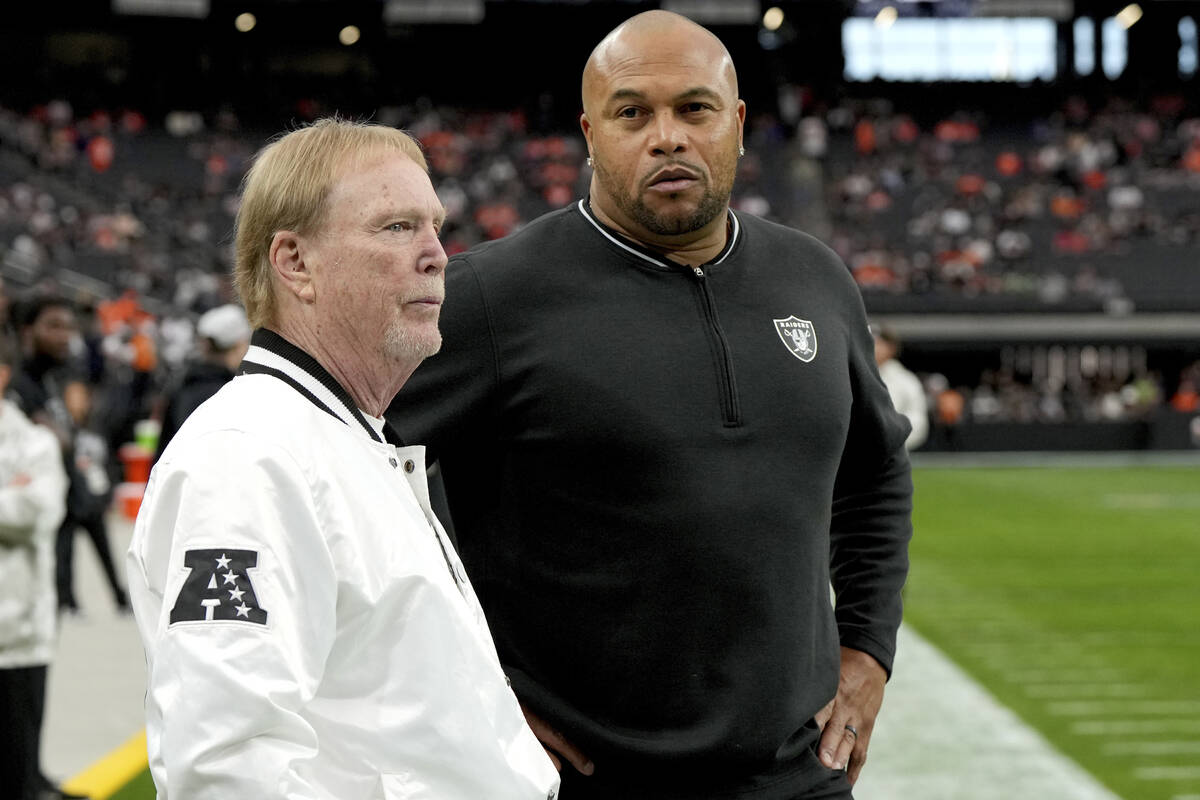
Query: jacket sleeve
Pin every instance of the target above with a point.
(872, 508)
(236, 647)
(39, 504)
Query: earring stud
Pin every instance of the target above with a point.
(589, 161)
(741, 151)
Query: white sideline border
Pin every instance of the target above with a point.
(942, 736)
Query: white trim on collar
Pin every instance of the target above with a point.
(587, 214)
(264, 357)
(733, 237)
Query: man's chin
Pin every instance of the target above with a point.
(676, 223)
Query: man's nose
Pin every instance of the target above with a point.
(433, 256)
(668, 135)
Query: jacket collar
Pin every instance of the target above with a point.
(271, 354)
(650, 256)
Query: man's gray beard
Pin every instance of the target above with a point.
(402, 345)
(711, 206)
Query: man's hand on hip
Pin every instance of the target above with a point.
(846, 723)
(557, 746)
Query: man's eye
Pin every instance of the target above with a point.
(399, 227)
(693, 108)
(628, 113)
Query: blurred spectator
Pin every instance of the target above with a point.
(908, 396)
(47, 326)
(88, 499)
(33, 488)
(223, 337)
(1187, 396)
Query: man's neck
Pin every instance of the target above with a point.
(693, 248)
(358, 367)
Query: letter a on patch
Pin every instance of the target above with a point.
(218, 588)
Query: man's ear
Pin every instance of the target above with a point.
(287, 253)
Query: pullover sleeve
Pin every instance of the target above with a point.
(872, 507)
(235, 594)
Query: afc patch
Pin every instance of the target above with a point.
(218, 588)
(799, 336)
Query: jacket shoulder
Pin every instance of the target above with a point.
(258, 406)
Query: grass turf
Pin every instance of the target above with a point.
(1073, 595)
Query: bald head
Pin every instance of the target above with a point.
(655, 37)
(663, 125)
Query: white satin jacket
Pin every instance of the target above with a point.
(309, 629)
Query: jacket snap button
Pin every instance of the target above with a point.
(393, 462)
(409, 466)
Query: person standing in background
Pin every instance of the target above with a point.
(907, 393)
(223, 336)
(33, 489)
(47, 378)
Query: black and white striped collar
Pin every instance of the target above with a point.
(657, 259)
(271, 354)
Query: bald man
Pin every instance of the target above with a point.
(662, 436)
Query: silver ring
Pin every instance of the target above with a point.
(852, 729)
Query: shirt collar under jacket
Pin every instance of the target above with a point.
(650, 256)
(271, 354)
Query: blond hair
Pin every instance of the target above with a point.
(287, 189)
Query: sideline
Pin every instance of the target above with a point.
(112, 773)
(942, 736)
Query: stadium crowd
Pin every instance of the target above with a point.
(1053, 209)
(131, 222)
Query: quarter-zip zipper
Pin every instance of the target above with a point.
(731, 410)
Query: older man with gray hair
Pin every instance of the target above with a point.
(309, 629)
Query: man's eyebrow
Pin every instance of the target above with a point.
(698, 91)
(626, 94)
(686, 94)
(438, 215)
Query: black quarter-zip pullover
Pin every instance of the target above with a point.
(654, 473)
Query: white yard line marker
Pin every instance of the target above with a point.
(1120, 727)
(1151, 501)
(1063, 690)
(1186, 747)
(1083, 708)
(1088, 674)
(1167, 773)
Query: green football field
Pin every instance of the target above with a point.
(1073, 595)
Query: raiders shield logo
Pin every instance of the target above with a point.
(799, 336)
(218, 588)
